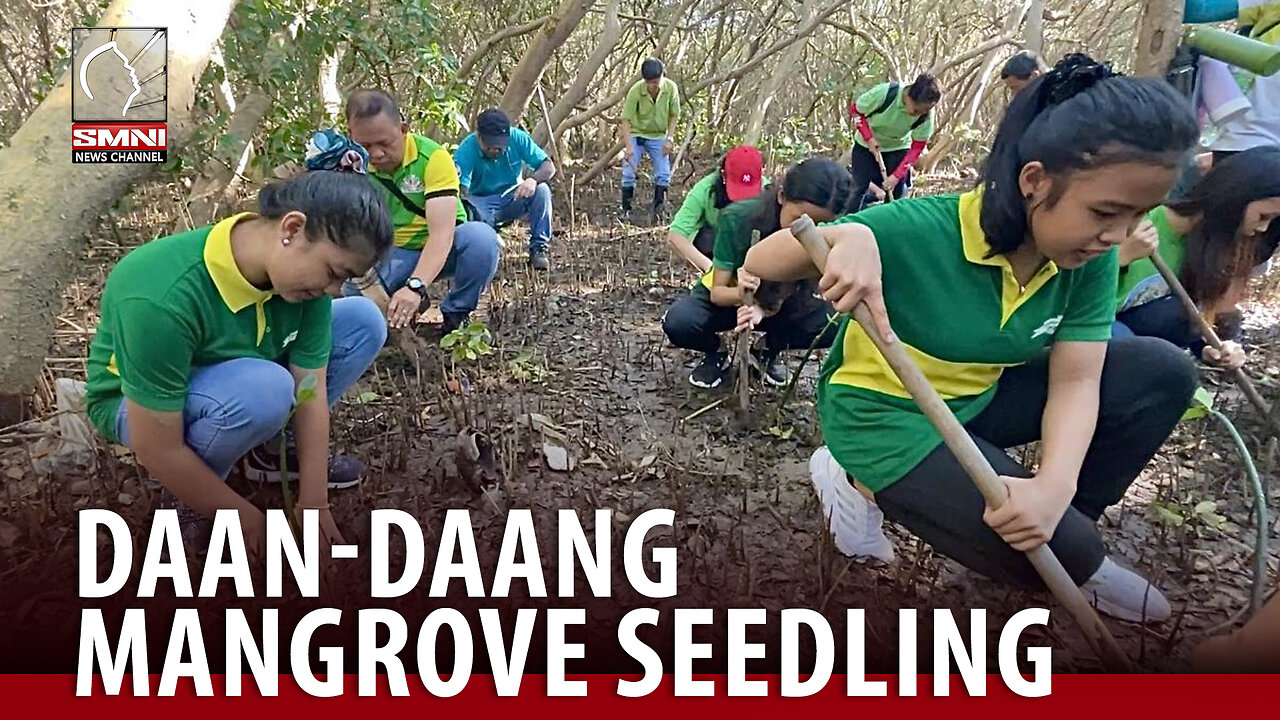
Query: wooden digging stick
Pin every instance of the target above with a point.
(742, 350)
(1211, 337)
(884, 176)
(966, 451)
(741, 355)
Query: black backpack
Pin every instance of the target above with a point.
(890, 95)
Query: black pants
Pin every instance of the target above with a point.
(1146, 386)
(705, 241)
(863, 167)
(693, 321)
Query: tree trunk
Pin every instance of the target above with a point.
(1033, 33)
(549, 39)
(330, 93)
(209, 192)
(44, 190)
(781, 71)
(993, 56)
(609, 36)
(1158, 34)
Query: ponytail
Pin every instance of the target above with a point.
(1081, 115)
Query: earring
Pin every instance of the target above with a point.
(285, 240)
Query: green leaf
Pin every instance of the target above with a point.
(1201, 404)
(1205, 507)
(306, 390)
(1167, 516)
(367, 397)
(449, 341)
(471, 354)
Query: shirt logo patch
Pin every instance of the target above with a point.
(411, 184)
(1048, 327)
(290, 338)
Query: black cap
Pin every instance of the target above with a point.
(493, 127)
(651, 69)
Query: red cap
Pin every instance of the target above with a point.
(743, 167)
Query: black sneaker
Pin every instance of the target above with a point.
(771, 366)
(263, 466)
(710, 372)
(194, 528)
(453, 321)
(538, 260)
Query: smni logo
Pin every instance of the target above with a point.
(119, 94)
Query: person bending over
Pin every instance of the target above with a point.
(1004, 296)
(207, 335)
(788, 313)
(693, 230)
(1214, 239)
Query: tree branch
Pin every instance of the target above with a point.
(469, 63)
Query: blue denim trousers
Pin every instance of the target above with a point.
(661, 162)
(501, 209)
(236, 405)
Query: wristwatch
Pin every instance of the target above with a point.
(417, 286)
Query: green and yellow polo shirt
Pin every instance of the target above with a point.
(179, 303)
(892, 126)
(649, 116)
(962, 317)
(1140, 282)
(426, 171)
(698, 209)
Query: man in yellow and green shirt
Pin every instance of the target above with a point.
(649, 115)
(433, 238)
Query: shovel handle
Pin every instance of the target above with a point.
(961, 444)
(1211, 337)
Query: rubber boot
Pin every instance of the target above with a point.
(659, 204)
(627, 194)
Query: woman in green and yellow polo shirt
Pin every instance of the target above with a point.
(788, 313)
(1214, 239)
(206, 334)
(692, 233)
(1004, 296)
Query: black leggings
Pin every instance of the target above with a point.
(693, 321)
(1146, 386)
(705, 241)
(863, 167)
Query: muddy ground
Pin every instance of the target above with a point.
(583, 348)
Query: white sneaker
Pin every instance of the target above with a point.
(854, 521)
(1122, 593)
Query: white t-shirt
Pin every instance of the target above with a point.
(1259, 126)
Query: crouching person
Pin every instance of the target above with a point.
(1004, 297)
(788, 314)
(206, 335)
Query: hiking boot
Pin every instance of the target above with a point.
(453, 321)
(769, 364)
(1124, 594)
(710, 372)
(262, 465)
(194, 528)
(538, 260)
(856, 524)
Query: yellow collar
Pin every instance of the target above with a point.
(237, 292)
(1012, 295)
(410, 150)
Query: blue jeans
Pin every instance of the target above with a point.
(661, 162)
(501, 209)
(236, 405)
(472, 262)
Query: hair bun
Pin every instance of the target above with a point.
(1074, 74)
